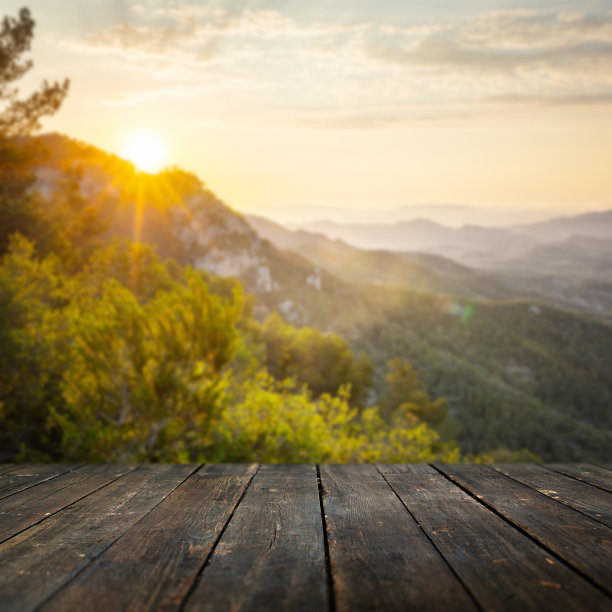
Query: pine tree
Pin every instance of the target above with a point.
(20, 117)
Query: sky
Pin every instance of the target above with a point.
(290, 105)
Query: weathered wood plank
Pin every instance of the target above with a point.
(591, 474)
(31, 505)
(501, 567)
(38, 561)
(579, 540)
(380, 557)
(272, 556)
(29, 475)
(578, 495)
(163, 553)
(7, 467)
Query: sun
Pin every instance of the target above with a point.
(145, 150)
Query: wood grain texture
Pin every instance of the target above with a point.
(591, 474)
(579, 540)
(40, 560)
(163, 553)
(31, 505)
(501, 567)
(578, 495)
(171, 537)
(380, 557)
(25, 476)
(271, 557)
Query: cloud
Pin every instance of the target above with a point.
(342, 75)
(381, 118)
(150, 39)
(575, 99)
(536, 28)
(503, 43)
(191, 32)
(180, 38)
(447, 53)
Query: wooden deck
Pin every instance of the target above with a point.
(305, 537)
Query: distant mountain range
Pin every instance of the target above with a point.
(454, 215)
(575, 246)
(572, 274)
(597, 224)
(469, 244)
(577, 256)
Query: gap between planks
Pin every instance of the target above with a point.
(330, 577)
(551, 534)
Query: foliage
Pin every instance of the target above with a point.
(512, 378)
(20, 205)
(69, 225)
(33, 347)
(279, 422)
(145, 380)
(132, 359)
(324, 362)
(404, 392)
(19, 117)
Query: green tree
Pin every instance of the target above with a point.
(271, 421)
(70, 224)
(100, 366)
(33, 349)
(19, 117)
(146, 382)
(405, 395)
(324, 362)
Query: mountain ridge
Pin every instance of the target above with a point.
(517, 373)
(515, 278)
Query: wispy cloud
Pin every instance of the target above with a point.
(365, 74)
(502, 43)
(576, 99)
(381, 118)
(448, 53)
(194, 32)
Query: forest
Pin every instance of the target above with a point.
(111, 354)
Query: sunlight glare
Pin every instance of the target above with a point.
(145, 150)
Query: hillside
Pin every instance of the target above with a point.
(520, 374)
(546, 273)
(187, 222)
(419, 271)
(597, 224)
(579, 256)
(576, 246)
(517, 374)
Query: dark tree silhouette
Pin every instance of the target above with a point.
(22, 116)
